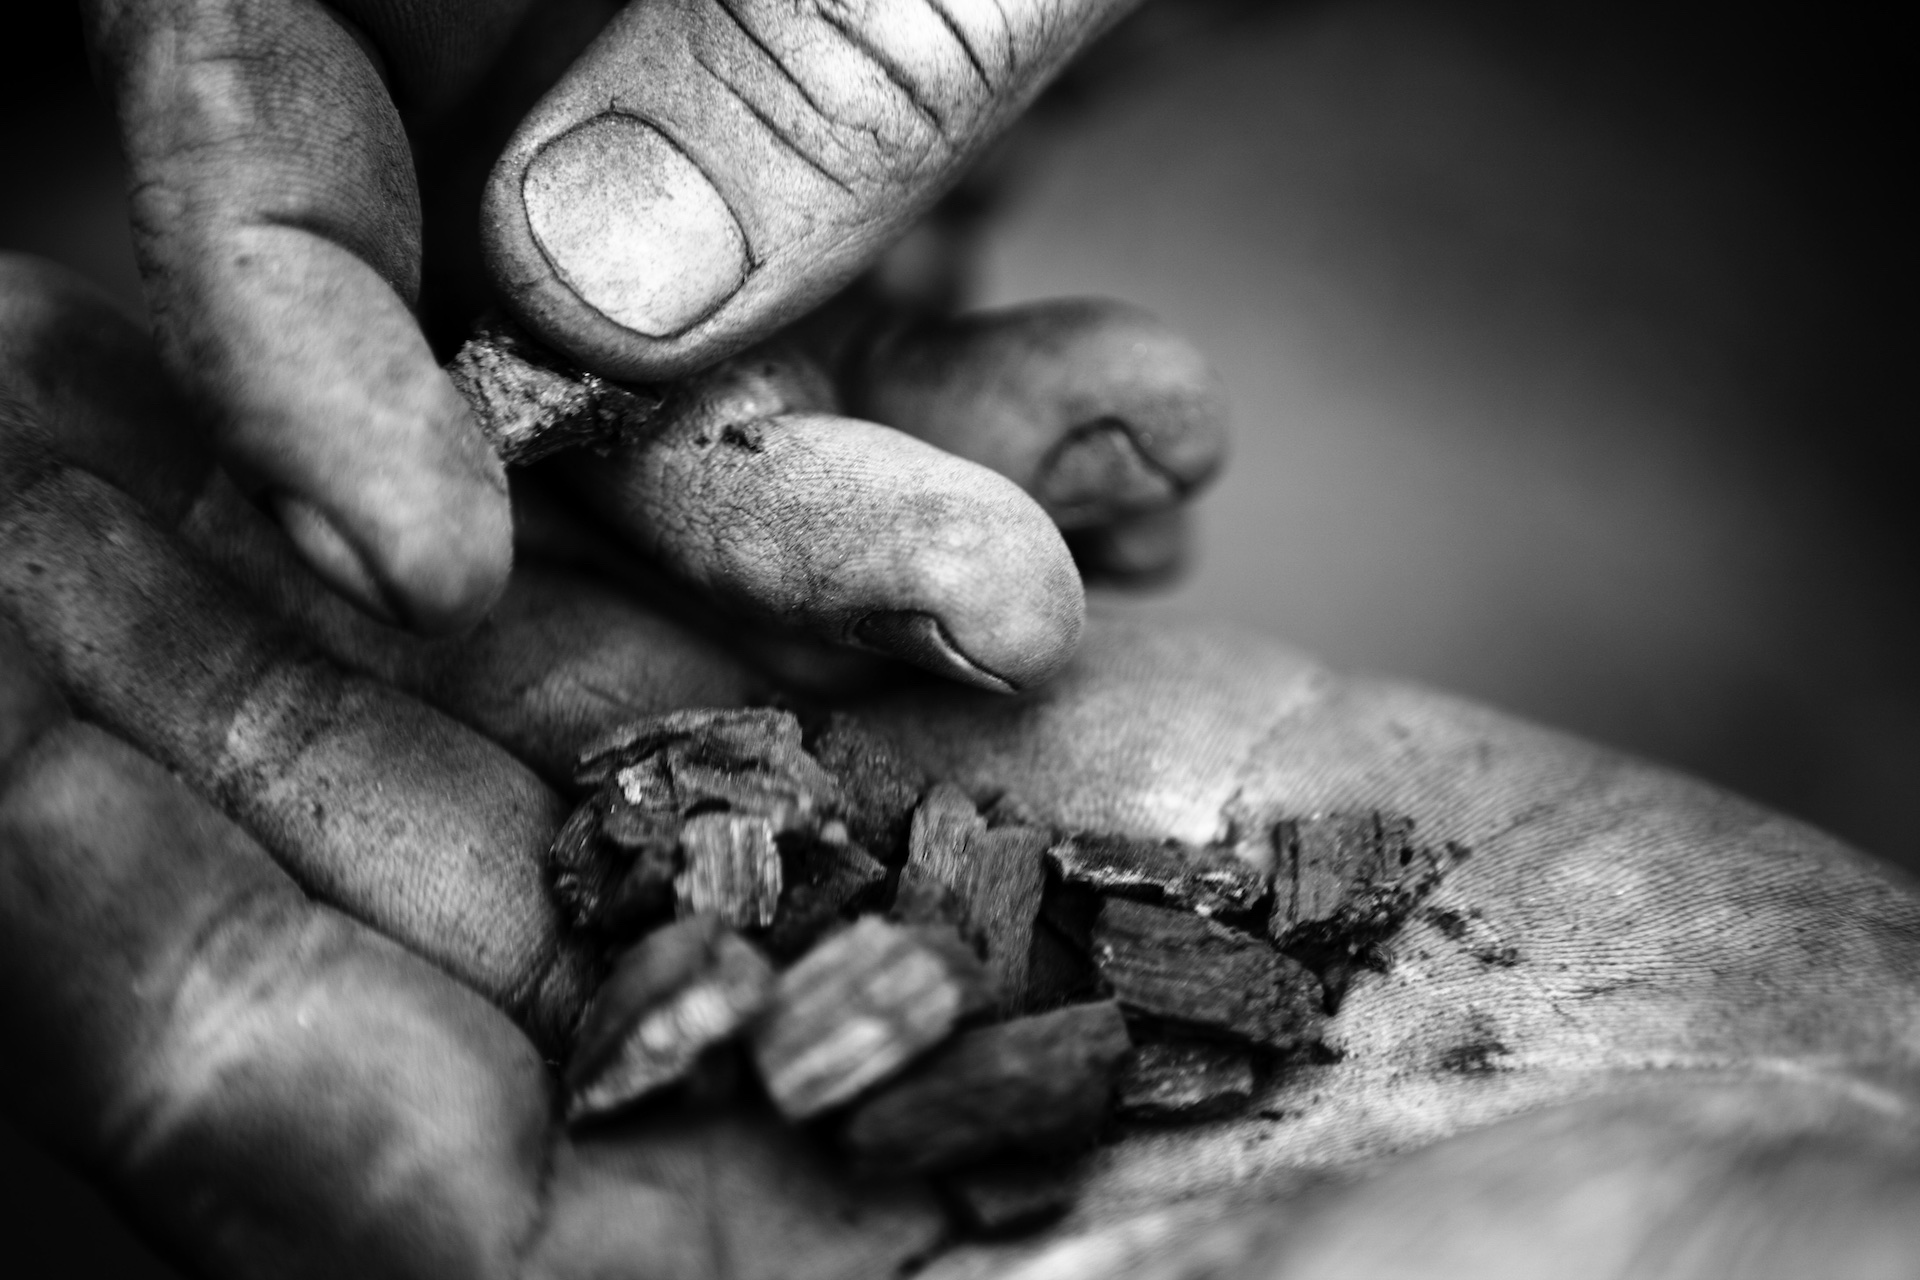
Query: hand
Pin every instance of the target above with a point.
(703, 174)
(1716, 996)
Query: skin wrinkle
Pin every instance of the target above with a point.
(960, 38)
(774, 131)
(902, 143)
(836, 15)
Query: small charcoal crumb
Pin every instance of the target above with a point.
(1185, 1080)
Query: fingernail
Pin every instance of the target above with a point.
(332, 556)
(1097, 472)
(633, 227)
(918, 638)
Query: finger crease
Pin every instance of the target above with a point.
(774, 127)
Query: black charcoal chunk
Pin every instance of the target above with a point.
(1059, 971)
(673, 996)
(1194, 877)
(880, 786)
(531, 402)
(1344, 883)
(1040, 1084)
(1185, 970)
(826, 880)
(995, 876)
(1185, 1080)
(859, 1007)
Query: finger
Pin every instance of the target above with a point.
(269, 1088)
(561, 660)
(1097, 409)
(710, 169)
(321, 765)
(277, 227)
(841, 528)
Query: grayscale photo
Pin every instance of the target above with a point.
(958, 640)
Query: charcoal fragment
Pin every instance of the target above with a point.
(676, 994)
(731, 869)
(1185, 970)
(1344, 883)
(749, 760)
(996, 878)
(1039, 1084)
(879, 785)
(1195, 877)
(1012, 1193)
(1185, 1080)
(825, 880)
(1058, 971)
(531, 402)
(860, 1006)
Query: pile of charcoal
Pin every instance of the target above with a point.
(943, 990)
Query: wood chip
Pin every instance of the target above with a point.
(531, 402)
(1058, 971)
(1039, 1084)
(1208, 881)
(730, 868)
(860, 1006)
(1016, 1193)
(1345, 882)
(826, 880)
(997, 877)
(1186, 970)
(1185, 1080)
(676, 994)
(706, 756)
(880, 786)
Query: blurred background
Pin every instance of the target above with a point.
(1570, 347)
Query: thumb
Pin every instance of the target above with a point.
(710, 169)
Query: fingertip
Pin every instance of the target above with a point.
(1098, 409)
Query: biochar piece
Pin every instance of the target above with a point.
(1040, 1084)
(859, 1007)
(1185, 970)
(826, 880)
(531, 402)
(673, 996)
(1011, 1194)
(1208, 881)
(879, 785)
(1185, 1080)
(1344, 883)
(997, 877)
(1058, 971)
(731, 869)
(743, 761)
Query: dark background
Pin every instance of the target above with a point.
(1570, 346)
